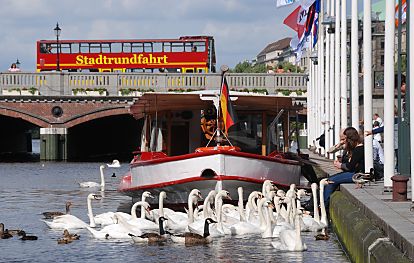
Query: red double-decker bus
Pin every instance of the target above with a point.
(185, 54)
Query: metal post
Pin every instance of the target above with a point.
(332, 113)
(367, 84)
(344, 67)
(327, 82)
(321, 65)
(410, 64)
(354, 66)
(337, 116)
(389, 93)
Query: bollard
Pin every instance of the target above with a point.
(399, 188)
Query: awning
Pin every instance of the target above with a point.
(150, 103)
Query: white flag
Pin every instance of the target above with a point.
(280, 3)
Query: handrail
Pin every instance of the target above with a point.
(123, 84)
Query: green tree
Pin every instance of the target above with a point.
(247, 67)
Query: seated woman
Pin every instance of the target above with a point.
(353, 164)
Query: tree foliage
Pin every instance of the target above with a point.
(247, 67)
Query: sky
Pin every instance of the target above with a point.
(241, 28)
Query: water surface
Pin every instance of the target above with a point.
(28, 189)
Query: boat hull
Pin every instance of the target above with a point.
(210, 170)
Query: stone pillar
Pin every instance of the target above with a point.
(53, 144)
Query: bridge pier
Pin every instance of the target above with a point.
(53, 144)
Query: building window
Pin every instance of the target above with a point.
(382, 44)
(382, 60)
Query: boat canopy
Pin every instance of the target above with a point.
(153, 102)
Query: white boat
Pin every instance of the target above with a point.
(206, 168)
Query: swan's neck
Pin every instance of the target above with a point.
(90, 213)
(293, 212)
(315, 206)
(190, 210)
(142, 208)
(161, 206)
(218, 205)
(261, 217)
(298, 237)
(323, 209)
(134, 209)
(288, 210)
(102, 178)
(268, 229)
(240, 207)
(206, 206)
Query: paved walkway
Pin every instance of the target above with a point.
(394, 218)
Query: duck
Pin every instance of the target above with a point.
(71, 221)
(51, 215)
(26, 237)
(193, 238)
(323, 236)
(115, 164)
(4, 234)
(152, 237)
(67, 237)
(360, 179)
(95, 184)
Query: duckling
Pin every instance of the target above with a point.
(113, 175)
(69, 236)
(152, 237)
(193, 238)
(51, 215)
(4, 234)
(26, 237)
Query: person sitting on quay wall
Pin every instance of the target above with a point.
(14, 68)
(354, 163)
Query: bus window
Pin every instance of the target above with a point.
(43, 48)
(166, 47)
(106, 48)
(177, 47)
(148, 47)
(65, 48)
(95, 48)
(84, 47)
(188, 47)
(116, 47)
(157, 47)
(201, 46)
(137, 47)
(126, 47)
(74, 48)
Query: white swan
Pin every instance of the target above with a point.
(179, 221)
(264, 206)
(114, 164)
(71, 221)
(141, 223)
(324, 216)
(243, 227)
(291, 240)
(115, 231)
(283, 221)
(313, 223)
(95, 184)
(144, 196)
(218, 229)
(251, 207)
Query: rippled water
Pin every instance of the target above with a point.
(27, 189)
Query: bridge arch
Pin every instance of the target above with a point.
(26, 116)
(96, 114)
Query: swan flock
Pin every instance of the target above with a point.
(270, 214)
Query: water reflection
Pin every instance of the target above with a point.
(28, 189)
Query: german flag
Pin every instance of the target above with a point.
(227, 111)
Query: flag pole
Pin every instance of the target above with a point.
(224, 69)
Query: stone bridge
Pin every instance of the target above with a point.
(86, 115)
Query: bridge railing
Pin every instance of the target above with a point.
(121, 84)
